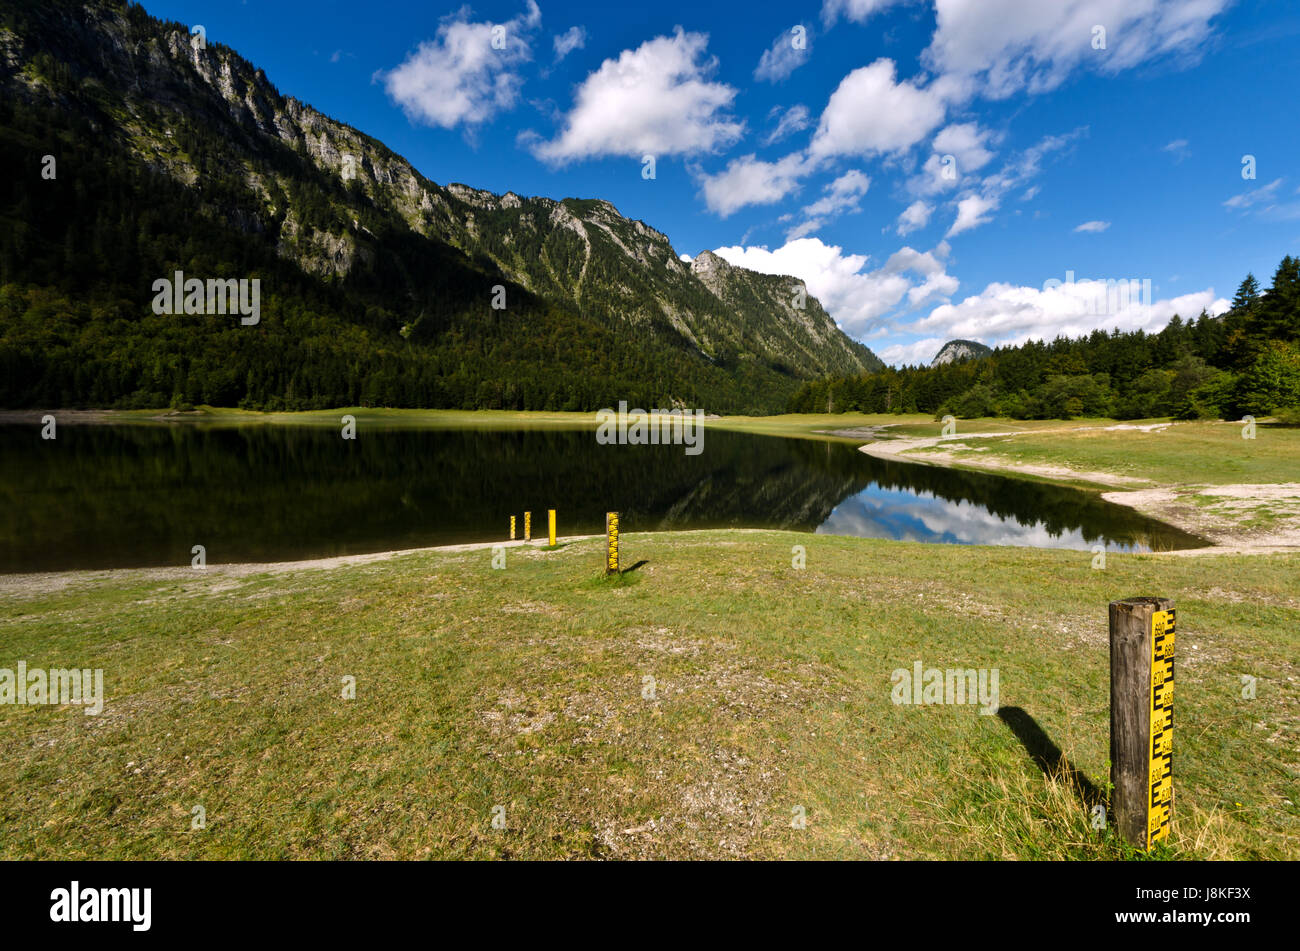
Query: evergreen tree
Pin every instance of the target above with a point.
(1247, 293)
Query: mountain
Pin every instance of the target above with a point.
(955, 351)
(173, 153)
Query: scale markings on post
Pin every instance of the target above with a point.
(611, 543)
(1160, 779)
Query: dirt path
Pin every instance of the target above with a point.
(897, 449)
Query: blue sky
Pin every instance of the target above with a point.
(931, 168)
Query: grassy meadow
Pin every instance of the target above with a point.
(526, 688)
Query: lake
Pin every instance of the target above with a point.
(107, 496)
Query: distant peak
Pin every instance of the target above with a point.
(954, 351)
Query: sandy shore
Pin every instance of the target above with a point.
(56, 580)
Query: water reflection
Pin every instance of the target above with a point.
(119, 496)
(877, 512)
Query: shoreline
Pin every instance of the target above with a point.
(1170, 504)
(53, 581)
(1164, 503)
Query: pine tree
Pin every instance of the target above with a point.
(1247, 293)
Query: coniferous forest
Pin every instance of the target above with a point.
(1244, 361)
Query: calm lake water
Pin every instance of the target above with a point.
(127, 496)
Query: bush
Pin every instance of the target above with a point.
(978, 401)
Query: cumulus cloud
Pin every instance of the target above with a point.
(656, 100)
(914, 217)
(459, 77)
(871, 113)
(574, 38)
(972, 211)
(1011, 45)
(788, 52)
(967, 143)
(958, 151)
(918, 352)
(859, 300)
(1092, 227)
(748, 180)
(795, 119)
(1011, 314)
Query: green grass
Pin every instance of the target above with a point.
(523, 688)
(1206, 453)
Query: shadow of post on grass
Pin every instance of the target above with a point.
(1048, 756)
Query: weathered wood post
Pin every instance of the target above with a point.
(1142, 718)
(528, 526)
(611, 543)
(550, 527)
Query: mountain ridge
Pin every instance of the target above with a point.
(351, 213)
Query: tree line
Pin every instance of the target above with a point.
(1244, 361)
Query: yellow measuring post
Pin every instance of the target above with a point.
(611, 543)
(512, 528)
(1160, 775)
(1141, 719)
(550, 520)
(528, 526)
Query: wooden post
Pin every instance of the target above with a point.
(528, 526)
(1141, 718)
(611, 543)
(550, 526)
(512, 528)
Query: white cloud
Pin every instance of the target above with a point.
(1178, 148)
(1264, 193)
(967, 143)
(911, 354)
(959, 151)
(795, 119)
(784, 56)
(748, 180)
(842, 196)
(871, 113)
(458, 77)
(574, 38)
(914, 217)
(1010, 314)
(1092, 227)
(1028, 164)
(858, 11)
(656, 100)
(1011, 45)
(972, 211)
(858, 300)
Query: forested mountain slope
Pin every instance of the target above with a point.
(377, 285)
